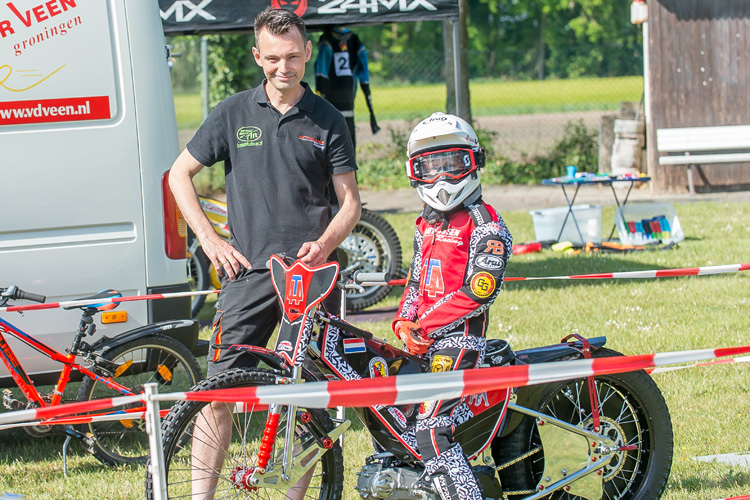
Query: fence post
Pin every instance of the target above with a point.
(153, 429)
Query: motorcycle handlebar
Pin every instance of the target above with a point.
(363, 278)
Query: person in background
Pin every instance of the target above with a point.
(281, 146)
(340, 63)
(461, 247)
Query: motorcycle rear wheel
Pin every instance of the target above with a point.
(247, 430)
(371, 247)
(632, 410)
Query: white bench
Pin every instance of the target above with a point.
(721, 144)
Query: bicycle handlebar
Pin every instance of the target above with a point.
(15, 293)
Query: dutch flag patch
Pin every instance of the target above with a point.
(352, 346)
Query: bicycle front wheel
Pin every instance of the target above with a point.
(211, 449)
(156, 358)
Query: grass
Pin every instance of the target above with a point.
(709, 405)
(189, 111)
(487, 98)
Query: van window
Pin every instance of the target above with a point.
(56, 64)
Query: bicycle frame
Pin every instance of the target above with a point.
(24, 382)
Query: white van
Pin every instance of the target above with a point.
(87, 133)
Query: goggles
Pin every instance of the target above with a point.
(445, 164)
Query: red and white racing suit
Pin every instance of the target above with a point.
(455, 275)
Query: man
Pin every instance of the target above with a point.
(461, 246)
(281, 145)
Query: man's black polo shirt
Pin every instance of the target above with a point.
(277, 168)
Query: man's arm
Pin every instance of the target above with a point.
(224, 257)
(315, 253)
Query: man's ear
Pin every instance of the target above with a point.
(256, 56)
(308, 50)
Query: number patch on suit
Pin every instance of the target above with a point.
(341, 64)
(432, 278)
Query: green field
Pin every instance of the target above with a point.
(709, 405)
(487, 98)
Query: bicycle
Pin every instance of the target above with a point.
(109, 367)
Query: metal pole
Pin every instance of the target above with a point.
(457, 66)
(153, 429)
(340, 410)
(204, 75)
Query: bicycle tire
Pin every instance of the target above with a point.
(178, 436)
(372, 246)
(632, 412)
(156, 358)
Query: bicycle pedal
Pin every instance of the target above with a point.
(11, 403)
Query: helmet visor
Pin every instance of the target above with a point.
(445, 164)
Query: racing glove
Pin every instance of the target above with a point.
(417, 342)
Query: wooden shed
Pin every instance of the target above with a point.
(698, 75)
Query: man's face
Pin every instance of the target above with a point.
(282, 58)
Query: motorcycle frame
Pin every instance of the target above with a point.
(598, 447)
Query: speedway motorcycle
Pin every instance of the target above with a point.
(608, 437)
(372, 246)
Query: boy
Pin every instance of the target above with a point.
(461, 246)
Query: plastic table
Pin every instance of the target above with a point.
(587, 178)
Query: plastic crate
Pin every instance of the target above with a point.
(547, 224)
(648, 223)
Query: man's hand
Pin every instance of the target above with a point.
(312, 254)
(224, 257)
(413, 336)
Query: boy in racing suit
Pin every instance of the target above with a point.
(461, 246)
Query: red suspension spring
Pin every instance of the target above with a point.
(267, 442)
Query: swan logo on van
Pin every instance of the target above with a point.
(249, 136)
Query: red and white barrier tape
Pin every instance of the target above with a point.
(401, 389)
(129, 414)
(90, 302)
(743, 497)
(659, 273)
(743, 359)
(423, 387)
(49, 412)
(656, 273)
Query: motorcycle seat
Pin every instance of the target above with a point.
(499, 353)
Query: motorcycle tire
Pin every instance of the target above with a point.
(155, 358)
(179, 431)
(372, 246)
(632, 411)
(198, 269)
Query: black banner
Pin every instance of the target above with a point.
(213, 16)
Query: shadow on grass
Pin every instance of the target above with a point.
(20, 447)
(734, 477)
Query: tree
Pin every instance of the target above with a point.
(231, 67)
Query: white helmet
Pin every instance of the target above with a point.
(444, 161)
